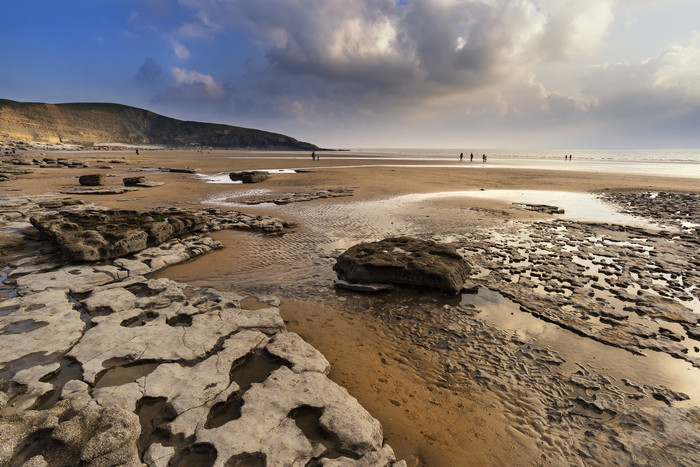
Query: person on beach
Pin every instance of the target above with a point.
(461, 156)
(483, 157)
(471, 157)
(313, 155)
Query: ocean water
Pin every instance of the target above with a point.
(615, 155)
(684, 163)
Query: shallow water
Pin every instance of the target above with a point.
(582, 207)
(653, 369)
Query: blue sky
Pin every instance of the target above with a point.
(375, 73)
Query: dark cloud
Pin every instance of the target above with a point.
(150, 71)
(460, 63)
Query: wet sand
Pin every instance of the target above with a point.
(451, 381)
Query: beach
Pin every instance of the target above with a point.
(582, 338)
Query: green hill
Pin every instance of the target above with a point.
(90, 123)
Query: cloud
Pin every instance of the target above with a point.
(179, 49)
(455, 62)
(200, 26)
(149, 71)
(382, 52)
(190, 84)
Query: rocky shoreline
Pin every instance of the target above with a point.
(101, 365)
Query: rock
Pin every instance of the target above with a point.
(405, 261)
(141, 181)
(39, 326)
(301, 197)
(93, 235)
(98, 191)
(357, 287)
(544, 208)
(70, 434)
(184, 170)
(253, 176)
(92, 180)
(295, 350)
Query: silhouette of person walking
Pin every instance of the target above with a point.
(461, 156)
(471, 157)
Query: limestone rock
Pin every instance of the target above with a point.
(301, 355)
(71, 435)
(405, 261)
(36, 327)
(93, 235)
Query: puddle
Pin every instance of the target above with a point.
(223, 177)
(252, 368)
(69, 370)
(25, 325)
(654, 369)
(197, 455)
(121, 375)
(6, 290)
(154, 413)
(577, 206)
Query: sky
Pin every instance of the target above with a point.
(375, 73)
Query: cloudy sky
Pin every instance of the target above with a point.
(375, 73)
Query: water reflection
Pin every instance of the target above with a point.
(653, 369)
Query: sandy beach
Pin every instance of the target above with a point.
(583, 338)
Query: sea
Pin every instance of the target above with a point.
(663, 162)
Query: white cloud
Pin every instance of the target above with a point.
(179, 49)
(460, 62)
(193, 83)
(200, 26)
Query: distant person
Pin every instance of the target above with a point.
(137, 152)
(471, 157)
(569, 156)
(483, 157)
(461, 156)
(313, 155)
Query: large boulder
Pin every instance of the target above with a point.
(93, 235)
(254, 176)
(406, 261)
(92, 180)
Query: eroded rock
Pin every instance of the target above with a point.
(97, 235)
(251, 176)
(404, 261)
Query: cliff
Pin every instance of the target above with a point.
(89, 123)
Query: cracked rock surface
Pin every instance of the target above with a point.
(103, 366)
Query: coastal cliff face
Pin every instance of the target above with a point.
(90, 123)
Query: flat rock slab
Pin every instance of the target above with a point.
(94, 235)
(97, 191)
(405, 261)
(301, 197)
(183, 170)
(357, 287)
(141, 182)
